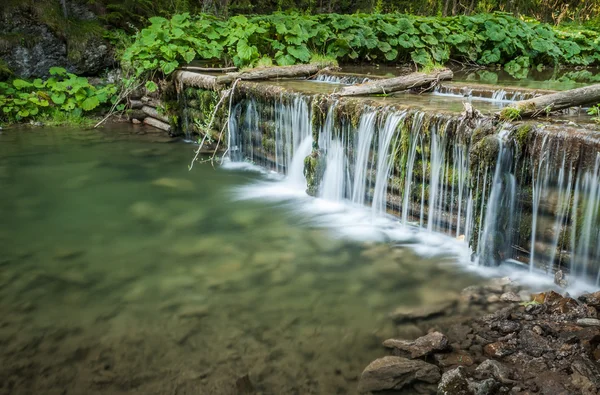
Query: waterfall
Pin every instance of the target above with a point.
(531, 196)
(365, 132)
(384, 161)
(495, 242)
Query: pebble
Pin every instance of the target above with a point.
(588, 322)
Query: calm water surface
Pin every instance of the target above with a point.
(123, 273)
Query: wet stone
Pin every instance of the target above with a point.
(423, 346)
(510, 297)
(457, 358)
(495, 369)
(454, 382)
(407, 314)
(588, 322)
(396, 373)
(498, 349)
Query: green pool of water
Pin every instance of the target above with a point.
(123, 272)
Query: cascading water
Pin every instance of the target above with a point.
(530, 200)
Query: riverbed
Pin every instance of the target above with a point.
(123, 272)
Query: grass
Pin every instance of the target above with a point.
(323, 60)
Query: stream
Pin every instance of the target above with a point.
(123, 272)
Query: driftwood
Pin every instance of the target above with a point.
(410, 81)
(206, 81)
(157, 124)
(556, 101)
(153, 112)
(209, 69)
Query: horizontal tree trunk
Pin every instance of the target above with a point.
(136, 114)
(153, 112)
(157, 124)
(410, 81)
(190, 78)
(266, 73)
(148, 101)
(206, 81)
(135, 104)
(209, 69)
(553, 102)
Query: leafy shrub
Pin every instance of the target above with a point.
(486, 39)
(62, 93)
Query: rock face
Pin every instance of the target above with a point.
(30, 48)
(395, 373)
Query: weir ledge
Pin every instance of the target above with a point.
(526, 191)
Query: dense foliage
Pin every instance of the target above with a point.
(486, 39)
(62, 96)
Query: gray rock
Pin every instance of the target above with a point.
(587, 369)
(533, 344)
(454, 382)
(425, 345)
(393, 372)
(506, 326)
(485, 387)
(39, 47)
(588, 322)
(495, 369)
(510, 297)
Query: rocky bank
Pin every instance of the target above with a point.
(34, 38)
(544, 343)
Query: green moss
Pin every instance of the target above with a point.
(523, 135)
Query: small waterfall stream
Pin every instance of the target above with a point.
(513, 194)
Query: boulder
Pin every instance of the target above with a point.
(395, 373)
(425, 345)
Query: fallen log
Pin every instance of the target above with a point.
(157, 124)
(205, 81)
(410, 81)
(136, 114)
(190, 78)
(148, 101)
(153, 112)
(266, 73)
(135, 104)
(209, 69)
(546, 104)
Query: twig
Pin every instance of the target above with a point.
(122, 96)
(226, 122)
(226, 93)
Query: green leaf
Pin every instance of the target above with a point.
(38, 83)
(21, 84)
(169, 67)
(384, 47)
(57, 71)
(90, 103)
(58, 98)
(300, 53)
(421, 56)
(391, 55)
(151, 86)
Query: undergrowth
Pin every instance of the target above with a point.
(287, 39)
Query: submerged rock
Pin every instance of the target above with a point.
(395, 373)
(174, 183)
(405, 314)
(425, 345)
